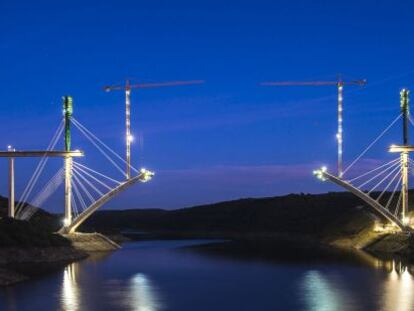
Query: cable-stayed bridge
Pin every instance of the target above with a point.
(385, 187)
(85, 188)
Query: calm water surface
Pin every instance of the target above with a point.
(159, 275)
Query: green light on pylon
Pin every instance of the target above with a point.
(405, 111)
(67, 113)
(404, 100)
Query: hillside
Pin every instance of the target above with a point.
(319, 216)
(17, 233)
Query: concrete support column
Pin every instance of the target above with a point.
(404, 189)
(11, 188)
(68, 191)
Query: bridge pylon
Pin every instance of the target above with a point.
(398, 167)
(404, 151)
(11, 207)
(76, 177)
(67, 113)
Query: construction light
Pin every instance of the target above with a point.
(146, 175)
(320, 173)
(406, 221)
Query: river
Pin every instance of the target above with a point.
(162, 275)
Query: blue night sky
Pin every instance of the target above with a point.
(228, 138)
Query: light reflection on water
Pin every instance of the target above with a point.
(137, 294)
(322, 293)
(398, 289)
(326, 291)
(70, 298)
(162, 278)
(142, 295)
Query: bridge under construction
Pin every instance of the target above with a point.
(75, 176)
(85, 188)
(383, 188)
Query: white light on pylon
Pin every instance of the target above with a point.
(320, 173)
(406, 221)
(146, 174)
(130, 138)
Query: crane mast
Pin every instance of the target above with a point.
(127, 88)
(128, 135)
(340, 86)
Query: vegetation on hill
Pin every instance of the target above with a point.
(315, 215)
(322, 216)
(17, 233)
(38, 232)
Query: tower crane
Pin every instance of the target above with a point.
(340, 85)
(127, 89)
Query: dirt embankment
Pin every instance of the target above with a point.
(19, 264)
(92, 242)
(401, 244)
(28, 249)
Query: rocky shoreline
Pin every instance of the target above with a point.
(17, 263)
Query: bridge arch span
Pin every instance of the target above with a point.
(143, 176)
(381, 210)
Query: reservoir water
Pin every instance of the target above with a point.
(162, 275)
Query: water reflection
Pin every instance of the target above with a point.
(145, 279)
(142, 295)
(71, 290)
(138, 293)
(398, 288)
(331, 291)
(321, 293)
(70, 297)
(397, 291)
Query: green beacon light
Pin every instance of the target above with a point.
(67, 113)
